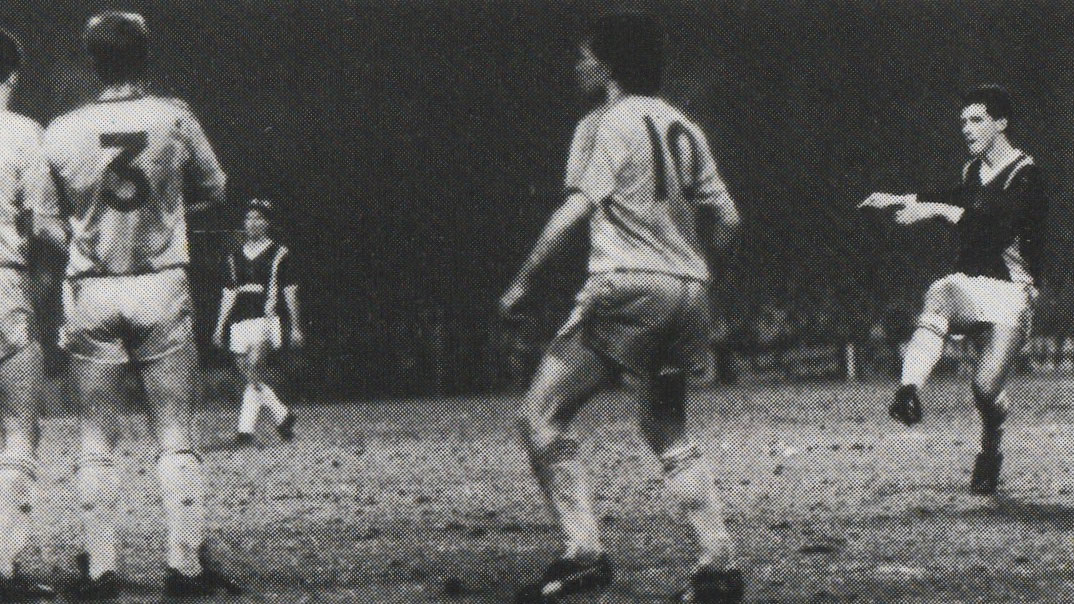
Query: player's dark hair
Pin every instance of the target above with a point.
(261, 206)
(118, 44)
(996, 100)
(10, 55)
(632, 47)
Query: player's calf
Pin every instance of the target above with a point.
(692, 484)
(98, 497)
(183, 495)
(987, 466)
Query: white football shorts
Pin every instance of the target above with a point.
(958, 302)
(256, 333)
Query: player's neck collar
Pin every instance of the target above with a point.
(121, 92)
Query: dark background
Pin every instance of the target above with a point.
(415, 149)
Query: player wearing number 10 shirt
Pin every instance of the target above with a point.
(641, 174)
(126, 166)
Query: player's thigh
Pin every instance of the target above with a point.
(100, 387)
(568, 375)
(170, 387)
(258, 356)
(999, 348)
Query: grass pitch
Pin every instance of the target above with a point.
(431, 500)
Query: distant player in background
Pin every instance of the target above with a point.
(258, 277)
(999, 210)
(27, 208)
(124, 165)
(642, 175)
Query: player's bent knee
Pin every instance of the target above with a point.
(560, 449)
(990, 399)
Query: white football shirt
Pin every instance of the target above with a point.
(646, 167)
(124, 165)
(25, 186)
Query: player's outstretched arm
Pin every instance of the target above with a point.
(911, 210)
(882, 201)
(554, 236)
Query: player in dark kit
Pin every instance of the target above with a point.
(999, 210)
(126, 165)
(642, 175)
(258, 277)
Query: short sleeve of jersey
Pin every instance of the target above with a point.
(710, 186)
(38, 189)
(204, 172)
(581, 149)
(610, 152)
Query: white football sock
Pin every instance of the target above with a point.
(184, 508)
(18, 494)
(274, 404)
(98, 496)
(251, 405)
(693, 486)
(922, 354)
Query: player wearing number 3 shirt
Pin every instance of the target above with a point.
(126, 165)
(641, 174)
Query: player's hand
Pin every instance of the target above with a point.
(881, 201)
(914, 212)
(514, 294)
(298, 337)
(218, 338)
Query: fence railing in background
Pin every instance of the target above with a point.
(1043, 355)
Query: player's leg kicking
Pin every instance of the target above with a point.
(1003, 310)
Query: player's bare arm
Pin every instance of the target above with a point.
(573, 212)
(290, 298)
(911, 210)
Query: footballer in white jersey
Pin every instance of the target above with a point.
(27, 209)
(641, 175)
(124, 164)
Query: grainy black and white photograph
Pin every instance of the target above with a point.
(536, 301)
